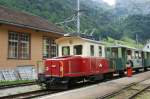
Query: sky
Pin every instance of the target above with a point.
(110, 2)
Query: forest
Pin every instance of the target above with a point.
(127, 20)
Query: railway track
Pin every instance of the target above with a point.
(29, 95)
(38, 93)
(129, 92)
(16, 85)
(139, 92)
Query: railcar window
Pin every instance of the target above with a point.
(100, 50)
(65, 50)
(129, 54)
(140, 56)
(136, 54)
(108, 52)
(77, 50)
(115, 52)
(92, 50)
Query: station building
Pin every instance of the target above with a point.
(147, 46)
(25, 38)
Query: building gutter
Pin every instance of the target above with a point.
(30, 27)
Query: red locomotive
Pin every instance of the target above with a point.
(65, 70)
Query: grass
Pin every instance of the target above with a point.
(3, 83)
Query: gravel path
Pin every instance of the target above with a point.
(17, 90)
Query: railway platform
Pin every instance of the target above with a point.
(98, 91)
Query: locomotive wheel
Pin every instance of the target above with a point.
(48, 86)
(121, 73)
(145, 69)
(69, 84)
(137, 70)
(108, 75)
(96, 78)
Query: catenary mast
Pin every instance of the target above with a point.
(78, 16)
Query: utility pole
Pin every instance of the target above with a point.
(137, 40)
(78, 16)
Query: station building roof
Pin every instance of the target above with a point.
(26, 20)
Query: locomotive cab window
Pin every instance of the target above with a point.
(100, 50)
(65, 50)
(77, 50)
(92, 50)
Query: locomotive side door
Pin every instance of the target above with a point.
(52, 67)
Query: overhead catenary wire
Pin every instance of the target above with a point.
(73, 18)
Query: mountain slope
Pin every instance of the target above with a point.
(130, 7)
(123, 21)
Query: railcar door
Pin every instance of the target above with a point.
(137, 61)
(111, 59)
(148, 59)
(118, 58)
(93, 64)
(114, 55)
(122, 57)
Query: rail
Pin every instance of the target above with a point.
(29, 95)
(139, 92)
(16, 85)
(129, 91)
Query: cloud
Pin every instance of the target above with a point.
(110, 2)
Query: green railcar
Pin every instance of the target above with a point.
(121, 55)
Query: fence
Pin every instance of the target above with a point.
(19, 73)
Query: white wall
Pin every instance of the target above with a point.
(147, 47)
(71, 43)
(78, 41)
(96, 49)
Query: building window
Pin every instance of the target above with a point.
(92, 50)
(77, 50)
(49, 48)
(19, 46)
(147, 46)
(100, 50)
(65, 50)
